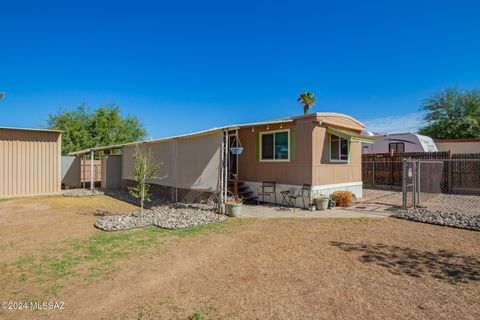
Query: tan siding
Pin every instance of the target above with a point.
(311, 165)
(325, 172)
(298, 171)
(29, 162)
(188, 163)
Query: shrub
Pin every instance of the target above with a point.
(343, 198)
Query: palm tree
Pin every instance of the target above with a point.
(2, 95)
(308, 100)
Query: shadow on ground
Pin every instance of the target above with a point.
(442, 264)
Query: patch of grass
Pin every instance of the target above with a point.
(223, 227)
(197, 315)
(207, 312)
(88, 259)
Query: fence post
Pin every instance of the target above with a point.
(404, 184)
(414, 193)
(373, 174)
(418, 181)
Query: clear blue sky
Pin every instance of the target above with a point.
(183, 66)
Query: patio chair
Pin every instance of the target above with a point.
(268, 189)
(303, 193)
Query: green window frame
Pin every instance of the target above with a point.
(274, 136)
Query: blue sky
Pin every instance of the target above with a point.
(182, 66)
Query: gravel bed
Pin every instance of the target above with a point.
(124, 221)
(81, 193)
(174, 216)
(443, 218)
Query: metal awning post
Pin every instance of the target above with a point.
(92, 183)
(226, 167)
(224, 173)
(83, 171)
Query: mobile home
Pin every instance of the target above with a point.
(319, 149)
(399, 143)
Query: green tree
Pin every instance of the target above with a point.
(452, 114)
(146, 168)
(308, 100)
(103, 126)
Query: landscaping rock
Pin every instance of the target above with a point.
(174, 216)
(443, 218)
(124, 222)
(81, 193)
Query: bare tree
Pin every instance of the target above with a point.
(146, 169)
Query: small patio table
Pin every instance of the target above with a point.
(286, 197)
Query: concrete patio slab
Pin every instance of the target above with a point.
(272, 211)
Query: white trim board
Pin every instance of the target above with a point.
(317, 191)
(338, 185)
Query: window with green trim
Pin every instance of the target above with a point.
(275, 146)
(339, 148)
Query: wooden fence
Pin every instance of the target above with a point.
(85, 170)
(458, 173)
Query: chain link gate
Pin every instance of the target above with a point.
(449, 185)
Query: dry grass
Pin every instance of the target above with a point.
(273, 269)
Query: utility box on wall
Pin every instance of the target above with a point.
(111, 172)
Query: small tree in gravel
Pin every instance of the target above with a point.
(145, 169)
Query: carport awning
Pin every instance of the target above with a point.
(351, 136)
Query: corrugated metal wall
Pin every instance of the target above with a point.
(30, 162)
(192, 163)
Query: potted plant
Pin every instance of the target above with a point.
(234, 206)
(321, 203)
(311, 207)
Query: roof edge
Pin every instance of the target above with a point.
(184, 136)
(31, 129)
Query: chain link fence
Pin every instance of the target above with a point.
(444, 185)
(382, 182)
(451, 185)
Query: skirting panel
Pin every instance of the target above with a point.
(317, 191)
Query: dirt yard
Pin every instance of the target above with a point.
(241, 269)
